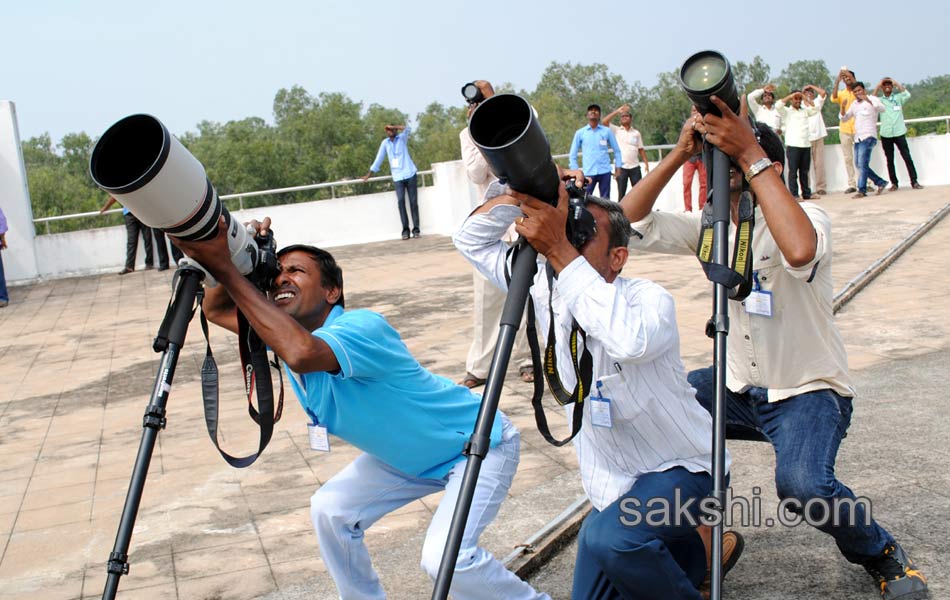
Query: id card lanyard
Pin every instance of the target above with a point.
(759, 301)
(600, 408)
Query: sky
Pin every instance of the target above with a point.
(72, 66)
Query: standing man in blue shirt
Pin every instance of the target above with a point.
(593, 140)
(395, 146)
(356, 379)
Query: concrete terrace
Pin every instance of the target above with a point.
(76, 370)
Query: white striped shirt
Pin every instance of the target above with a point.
(630, 324)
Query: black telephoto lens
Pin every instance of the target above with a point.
(706, 74)
(472, 93)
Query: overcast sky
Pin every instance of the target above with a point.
(75, 66)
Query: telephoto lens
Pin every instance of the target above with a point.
(148, 170)
(706, 74)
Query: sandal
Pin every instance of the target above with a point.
(527, 373)
(470, 381)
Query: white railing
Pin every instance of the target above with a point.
(944, 118)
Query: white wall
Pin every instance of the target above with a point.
(19, 259)
(353, 220)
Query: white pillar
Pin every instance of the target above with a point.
(19, 259)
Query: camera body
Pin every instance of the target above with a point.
(472, 93)
(267, 266)
(581, 226)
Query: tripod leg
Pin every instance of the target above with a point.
(177, 316)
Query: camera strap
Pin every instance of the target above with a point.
(256, 375)
(737, 278)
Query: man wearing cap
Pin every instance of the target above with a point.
(594, 140)
(631, 149)
(894, 131)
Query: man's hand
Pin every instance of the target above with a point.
(3, 242)
(214, 254)
(733, 133)
(617, 173)
(769, 88)
(690, 141)
(544, 227)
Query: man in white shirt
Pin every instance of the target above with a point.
(631, 149)
(763, 108)
(796, 117)
(864, 110)
(643, 436)
(787, 371)
(815, 96)
(488, 299)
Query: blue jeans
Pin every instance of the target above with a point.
(4, 296)
(602, 181)
(862, 160)
(617, 559)
(402, 186)
(805, 431)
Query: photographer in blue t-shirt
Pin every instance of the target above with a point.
(356, 379)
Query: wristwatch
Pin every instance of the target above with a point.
(756, 168)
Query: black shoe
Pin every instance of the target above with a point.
(850, 190)
(405, 235)
(149, 267)
(125, 271)
(162, 268)
(806, 196)
(893, 188)
(896, 574)
(916, 186)
(416, 234)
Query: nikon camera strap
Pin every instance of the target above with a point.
(738, 278)
(256, 373)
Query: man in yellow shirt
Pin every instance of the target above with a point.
(846, 133)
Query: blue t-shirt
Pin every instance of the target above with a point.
(384, 402)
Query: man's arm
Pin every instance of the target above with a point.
(789, 225)
(639, 201)
(476, 167)
(834, 89)
(302, 352)
(877, 104)
(108, 203)
(606, 120)
(380, 155)
(479, 239)
(219, 308)
(618, 157)
(575, 144)
(753, 97)
(644, 159)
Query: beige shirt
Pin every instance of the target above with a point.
(630, 142)
(475, 165)
(799, 348)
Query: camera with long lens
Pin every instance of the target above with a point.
(151, 173)
(506, 131)
(705, 74)
(472, 93)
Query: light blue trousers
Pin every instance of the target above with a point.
(359, 495)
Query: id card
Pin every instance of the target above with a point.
(394, 162)
(600, 412)
(319, 439)
(759, 303)
(603, 142)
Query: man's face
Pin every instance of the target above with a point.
(626, 119)
(809, 94)
(593, 115)
(860, 93)
(391, 132)
(888, 87)
(299, 291)
(767, 98)
(797, 101)
(847, 79)
(605, 260)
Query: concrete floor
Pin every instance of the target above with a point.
(76, 370)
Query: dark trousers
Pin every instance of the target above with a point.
(799, 162)
(602, 181)
(623, 553)
(4, 295)
(901, 142)
(632, 175)
(806, 431)
(132, 229)
(402, 186)
(162, 250)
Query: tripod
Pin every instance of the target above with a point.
(522, 275)
(171, 337)
(718, 328)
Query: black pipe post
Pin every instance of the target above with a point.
(718, 329)
(176, 320)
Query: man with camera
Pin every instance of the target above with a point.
(396, 148)
(787, 376)
(643, 437)
(356, 379)
(594, 140)
(894, 130)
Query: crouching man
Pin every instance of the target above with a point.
(643, 437)
(356, 379)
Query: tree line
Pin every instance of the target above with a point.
(330, 136)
